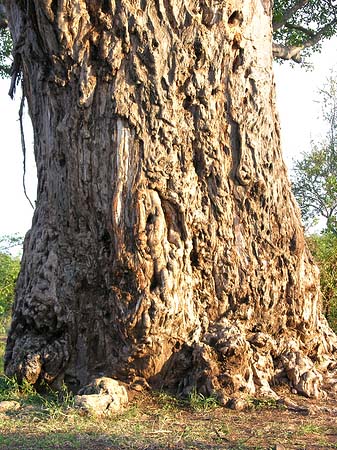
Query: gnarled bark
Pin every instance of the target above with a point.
(166, 243)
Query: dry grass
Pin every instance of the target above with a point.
(158, 421)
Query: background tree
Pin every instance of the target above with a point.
(166, 243)
(315, 174)
(5, 53)
(324, 250)
(315, 188)
(9, 270)
(5, 44)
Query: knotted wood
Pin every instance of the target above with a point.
(166, 243)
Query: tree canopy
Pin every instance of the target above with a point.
(300, 26)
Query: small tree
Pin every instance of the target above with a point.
(315, 187)
(315, 175)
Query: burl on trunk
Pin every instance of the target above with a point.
(166, 243)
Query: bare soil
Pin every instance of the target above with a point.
(157, 421)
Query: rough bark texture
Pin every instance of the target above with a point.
(166, 243)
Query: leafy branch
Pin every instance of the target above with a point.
(300, 26)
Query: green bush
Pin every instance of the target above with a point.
(324, 250)
(9, 270)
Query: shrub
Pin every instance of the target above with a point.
(9, 270)
(324, 250)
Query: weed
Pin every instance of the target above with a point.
(168, 402)
(9, 388)
(129, 413)
(325, 444)
(51, 403)
(198, 402)
(2, 352)
(310, 429)
(222, 432)
(259, 403)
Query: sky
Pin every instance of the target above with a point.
(297, 95)
(297, 99)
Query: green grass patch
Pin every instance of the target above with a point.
(311, 428)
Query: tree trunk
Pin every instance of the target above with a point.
(166, 243)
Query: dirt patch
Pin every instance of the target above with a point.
(157, 422)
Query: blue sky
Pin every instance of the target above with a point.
(299, 114)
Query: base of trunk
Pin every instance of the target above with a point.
(166, 243)
(229, 360)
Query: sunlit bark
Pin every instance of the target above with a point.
(166, 243)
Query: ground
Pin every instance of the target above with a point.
(158, 421)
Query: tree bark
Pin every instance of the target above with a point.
(166, 243)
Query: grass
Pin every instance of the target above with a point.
(156, 421)
(199, 402)
(311, 428)
(259, 403)
(2, 352)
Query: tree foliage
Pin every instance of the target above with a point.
(315, 187)
(315, 175)
(9, 269)
(5, 44)
(5, 52)
(324, 250)
(301, 25)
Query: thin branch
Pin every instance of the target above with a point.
(293, 52)
(23, 144)
(292, 26)
(15, 74)
(288, 13)
(16, 65)
(317, 37)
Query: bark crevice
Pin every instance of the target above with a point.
(165, 243)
